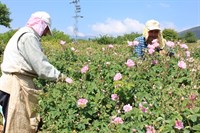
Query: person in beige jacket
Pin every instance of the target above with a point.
(24, 60)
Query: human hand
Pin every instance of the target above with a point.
(163, 52)
(63, 78)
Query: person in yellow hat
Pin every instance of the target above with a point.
(152, 31)
(24, 60)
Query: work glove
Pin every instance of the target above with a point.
(63, 78)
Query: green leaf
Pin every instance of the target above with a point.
(108, 106)
(186, 131)
(159, 118)
(193, 118)
(196, 127)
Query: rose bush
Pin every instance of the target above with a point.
(121, 93)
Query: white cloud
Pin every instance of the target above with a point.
(70, 31)
(117, 27)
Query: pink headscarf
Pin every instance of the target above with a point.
(37, 24)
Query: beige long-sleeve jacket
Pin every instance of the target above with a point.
(25, 56)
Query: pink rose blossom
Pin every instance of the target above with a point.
(187, 53)
(130, 63)
(151, 46)
(184, 46)
(85, 69)
(127, 108)
(193, 97)
(110, 46)
(135, 43)
(154, 62)
(155, 41)
(150, 129)
(179, 124)
(114, 97)
(62, 42)
(151, 51)
(142, 108)
(130, 43)
(118, 76)
(69, 80)
(170, 44)
(82, 103)
(117, 120)
(182, 64)
(155, 44)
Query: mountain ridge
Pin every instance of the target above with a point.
(195, 30)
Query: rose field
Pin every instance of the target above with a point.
(111, 91)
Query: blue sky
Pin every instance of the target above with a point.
(110, 17)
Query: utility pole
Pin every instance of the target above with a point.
(76, 17)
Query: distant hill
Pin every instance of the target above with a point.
(195, 30)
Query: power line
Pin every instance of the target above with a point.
(76, 16)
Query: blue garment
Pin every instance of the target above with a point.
(139, 49)
(1, 112)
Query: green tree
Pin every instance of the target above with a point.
(105, 39)
(170, 34)
(190, 37)
(131, 37)
(57, 35)
(5, 37)
(4, 15)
